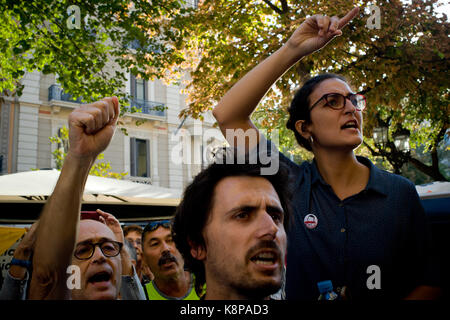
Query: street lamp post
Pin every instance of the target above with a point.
(398, 149)
(380, 135)
(401, 141)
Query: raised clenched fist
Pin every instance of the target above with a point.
(92, 126)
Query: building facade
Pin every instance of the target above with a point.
(163, 151)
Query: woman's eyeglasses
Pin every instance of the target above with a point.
(336, 101)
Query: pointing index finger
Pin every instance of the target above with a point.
(103, 213)
(348, 17)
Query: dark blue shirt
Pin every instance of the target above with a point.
(384, 226)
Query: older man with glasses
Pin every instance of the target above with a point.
(76, 259)
(97, 256)
(171, 281)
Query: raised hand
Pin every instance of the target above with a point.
(145, 270)
(92, 126)
(112, 223)
(26, 246)
(24, 251)
(316, 31)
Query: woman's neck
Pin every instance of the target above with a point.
(342, 171)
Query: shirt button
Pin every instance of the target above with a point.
(342, 230)
(341, 204)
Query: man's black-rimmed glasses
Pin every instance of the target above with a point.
(109, 248)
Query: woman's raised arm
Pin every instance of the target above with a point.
(234, 109)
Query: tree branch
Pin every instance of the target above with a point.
(377, 84)
(428, 170)
(285, 6)
(66, 36)
(274, 7)
(349, 53)
(385, 155)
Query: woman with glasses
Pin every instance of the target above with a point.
(356, 225)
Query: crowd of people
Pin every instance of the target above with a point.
(239, 234)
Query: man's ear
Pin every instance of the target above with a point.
(302, 129)
(198, 251)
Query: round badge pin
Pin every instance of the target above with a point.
(310, 221)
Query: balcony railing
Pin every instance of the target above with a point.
(148, 107)
(55, 92)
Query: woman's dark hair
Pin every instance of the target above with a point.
(299, 109)
(193, 211)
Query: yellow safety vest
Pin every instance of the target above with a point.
(153, 293)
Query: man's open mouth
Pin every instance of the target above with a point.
(102, 276)
(265, 258)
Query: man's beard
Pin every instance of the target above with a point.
(257, 291)
(245, 283)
